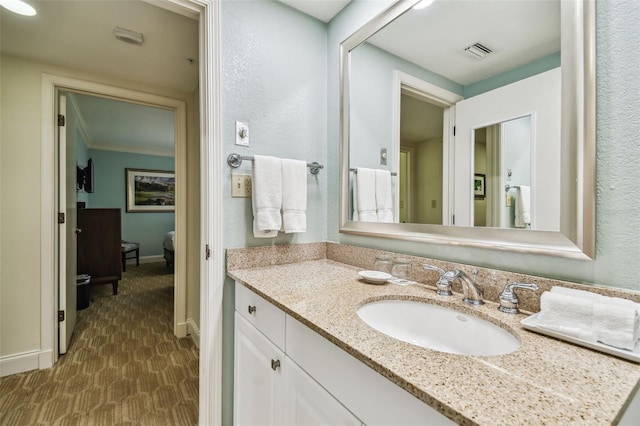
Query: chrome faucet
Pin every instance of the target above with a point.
(470, 288)
(509, 299)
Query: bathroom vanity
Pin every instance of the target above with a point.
(299, 340)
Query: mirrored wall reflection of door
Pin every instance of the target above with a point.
(502, 161)
(421, 160)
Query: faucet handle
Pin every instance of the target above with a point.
(434, 268)
(509, 299)
(443, 284)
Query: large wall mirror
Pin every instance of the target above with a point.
(472, 123)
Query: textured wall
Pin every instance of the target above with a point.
(618, 156)
(274, 78)
(148, 229)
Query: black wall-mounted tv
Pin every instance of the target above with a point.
(84, 177)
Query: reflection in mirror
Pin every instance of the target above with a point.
(421, 159)
(526, 50)
(502, 174)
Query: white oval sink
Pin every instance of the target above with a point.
(438, 328)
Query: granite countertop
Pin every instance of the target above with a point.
(546, 381)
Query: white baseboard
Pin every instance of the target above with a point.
(19, 363)
(151, 259)
(193, 331)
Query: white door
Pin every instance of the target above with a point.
(537, 97)
(309, 404)
(67, 233)
(258, 378)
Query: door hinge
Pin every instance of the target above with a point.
(453, 218)
(60, 217)
(60, 316)
(207, 252)
(454, 130)
(61, 120)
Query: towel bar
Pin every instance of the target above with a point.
(235, 161)
(356, 171)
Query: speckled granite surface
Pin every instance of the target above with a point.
(546, 381)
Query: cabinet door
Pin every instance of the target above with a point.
(258, 378)
(309, 404)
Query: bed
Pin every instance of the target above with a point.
(169, 247)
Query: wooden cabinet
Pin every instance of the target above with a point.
(99, 241)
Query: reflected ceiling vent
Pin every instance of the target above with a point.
(478, 51)
(128, 36)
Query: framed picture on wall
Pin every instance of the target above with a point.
(150, 190)
(478, 186)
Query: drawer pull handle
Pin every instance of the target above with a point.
(275, 364)
(252, 309)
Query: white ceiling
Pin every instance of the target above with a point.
(79, 35)
(518, 31)
(323, 10)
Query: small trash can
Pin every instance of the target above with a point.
(83, 294)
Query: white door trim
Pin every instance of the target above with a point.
(50, 85)
(437, 96)
(212, 271)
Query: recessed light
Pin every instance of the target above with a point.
(19, 7)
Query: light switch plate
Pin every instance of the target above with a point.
(242, 133)
(240, 186)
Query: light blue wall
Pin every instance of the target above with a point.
(618, 156)
(148, 229)
(274, 76)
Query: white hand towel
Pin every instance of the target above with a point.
(595, 297)
(365, 194)
(384, 200)
(294, 196)
(523, 206)
(615, 325)
(560, 310)
(266, 196)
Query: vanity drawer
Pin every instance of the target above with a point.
(262, 314)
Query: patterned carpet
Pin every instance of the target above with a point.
(124, 365)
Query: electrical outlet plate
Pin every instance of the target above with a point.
(240, 186)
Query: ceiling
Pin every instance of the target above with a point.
(79, 35)
(323, 10)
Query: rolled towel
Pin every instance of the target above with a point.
(615, 325)
(575, 332)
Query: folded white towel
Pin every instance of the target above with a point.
(523, 207)
(384, 200)
(615, 325)
(595, 297)
(561, 310)
(364, 195)
(294, 196)
(584, 316)
(266, 196)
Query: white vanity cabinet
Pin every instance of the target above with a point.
(269, 388)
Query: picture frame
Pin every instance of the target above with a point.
(150, 191)
(479, 190)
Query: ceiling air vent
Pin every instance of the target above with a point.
(478, 50)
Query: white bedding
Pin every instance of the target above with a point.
(168, 240)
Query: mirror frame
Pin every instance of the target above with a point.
(576, 238)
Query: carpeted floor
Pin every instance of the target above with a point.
(124, 365)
